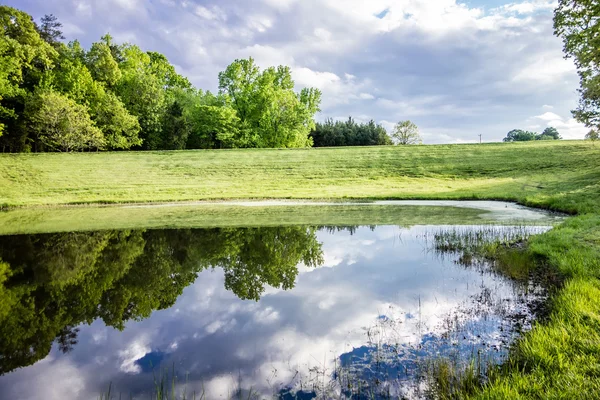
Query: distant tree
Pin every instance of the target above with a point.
(405, 133)
(518, 135)
(60, 124)
(349, 133)
(592, 135)
(50, 30)
(549, 133)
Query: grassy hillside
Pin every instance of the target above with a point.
(559, 358)
(561, 175)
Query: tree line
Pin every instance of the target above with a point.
(519, 135)
(114, 96)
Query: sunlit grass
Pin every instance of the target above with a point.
(559, 358)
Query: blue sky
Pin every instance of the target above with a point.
(457, 69)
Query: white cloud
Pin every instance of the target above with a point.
(548, 116)
(569, 128)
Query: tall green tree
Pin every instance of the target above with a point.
(24, 58)
(143, 94)
(577, 23)
(270, 112)
(73, 78)
(101, 63)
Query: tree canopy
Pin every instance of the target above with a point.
(135, 99)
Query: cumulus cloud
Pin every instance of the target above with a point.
(569, 128)
(457, 70)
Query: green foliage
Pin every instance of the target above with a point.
(120, 128)
(102, 64)
(518, 135)
(51, 283)
(405, 133)
(217, 127)
(60, 124)
(137, 98)
(271, 114)
(349, 133)
(578, 24)
(24, 57)
(549, 133)
(592, 135)
(143, 94)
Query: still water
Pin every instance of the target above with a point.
(262, 312)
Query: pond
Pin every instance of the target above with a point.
(311, 310)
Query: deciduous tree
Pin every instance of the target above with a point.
(406, 132)
(60, 124)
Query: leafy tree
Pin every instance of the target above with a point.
(102, 65)
(267, 106)
(216, 127)
(143, 94)
(549, 133)
(50, 30)
(24, 58)
(578, 24)
(121, 129)
(518, 135)
(60, 124)
(592, 135)
(405, 133)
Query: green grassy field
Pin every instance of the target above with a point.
(560, 175)
(558, 359)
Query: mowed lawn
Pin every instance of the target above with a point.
(563, 175)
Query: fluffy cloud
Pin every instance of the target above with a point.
(457, 70)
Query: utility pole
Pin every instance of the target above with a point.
(480, 138)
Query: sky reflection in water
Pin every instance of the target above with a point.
(381, 302)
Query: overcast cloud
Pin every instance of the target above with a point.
(456, 69)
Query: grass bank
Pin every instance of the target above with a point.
(559, 358)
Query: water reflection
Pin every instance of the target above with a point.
(380, 302)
